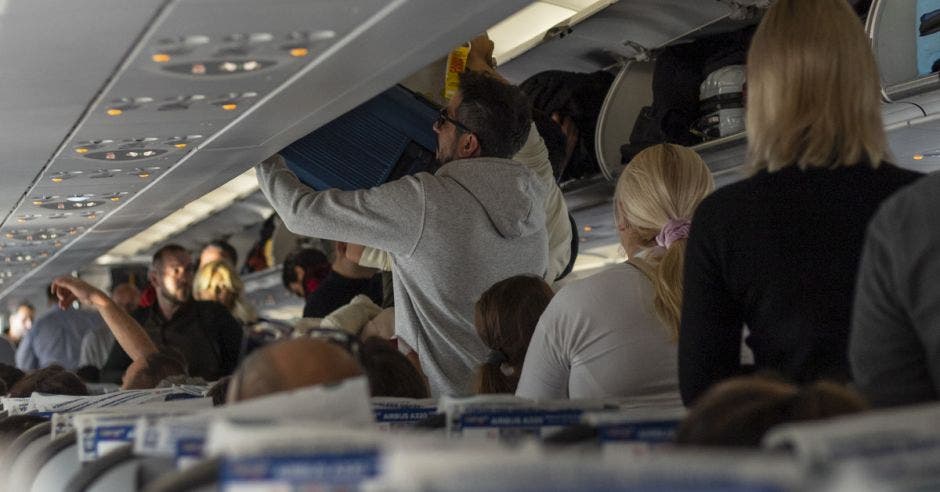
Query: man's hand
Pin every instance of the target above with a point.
(68, 289)
(480, 58)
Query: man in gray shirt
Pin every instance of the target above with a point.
(479, 219)
(894, 348)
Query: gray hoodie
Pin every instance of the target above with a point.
(451, 236)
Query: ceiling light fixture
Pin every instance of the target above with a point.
(214, 68)
(534, 23)
(160, 58)
(195, 211)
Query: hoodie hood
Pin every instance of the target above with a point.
(509, 192)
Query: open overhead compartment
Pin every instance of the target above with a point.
(905, 36)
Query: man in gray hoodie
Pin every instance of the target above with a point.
(478, 220)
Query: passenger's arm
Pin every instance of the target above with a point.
(712, 319)
(374, 258)
(891, 363)
(127, 332)
(389, 217)
(546, 370)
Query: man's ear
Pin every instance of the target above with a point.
(468, 146)
(153, 277)
(299, 274)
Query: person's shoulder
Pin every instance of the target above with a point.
(209, 307)
(919, 199)
(612, 280)
(898, 174)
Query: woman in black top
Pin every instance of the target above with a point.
(778, 252)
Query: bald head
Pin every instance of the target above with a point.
(289, 365)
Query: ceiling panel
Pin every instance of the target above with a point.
(247, 77)
(48, 82)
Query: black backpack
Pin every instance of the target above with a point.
(677, 75)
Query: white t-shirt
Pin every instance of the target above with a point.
(601, 338)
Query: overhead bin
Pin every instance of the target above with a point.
(385, 138)
(905, 36)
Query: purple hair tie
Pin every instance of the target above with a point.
(673, 231)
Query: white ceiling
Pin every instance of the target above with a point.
(65, 64)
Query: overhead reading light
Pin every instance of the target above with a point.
(168, 47)
(136, 143)
(41, 235)
(144, 172)
(179, 103)
(114, 197)
(73, 202)
(88, 145)
(125, 155)
(530, 26)
(104, 173)
(230, 101)
(218, 68)
(60, 176)
(119, 106)
(193, 212)
(301, 42)
(41, 199)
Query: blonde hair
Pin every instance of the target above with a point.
(664, 182)
(813, 89)
(218, 275)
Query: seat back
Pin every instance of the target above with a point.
(21, 454)
(88, 475)
(56, 462)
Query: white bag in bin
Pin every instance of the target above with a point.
(872, 434)
(531, 468)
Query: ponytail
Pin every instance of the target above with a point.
(491, 379)
(656, 195)
(667, 281)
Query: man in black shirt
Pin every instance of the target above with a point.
(346, 280)
(204, 332)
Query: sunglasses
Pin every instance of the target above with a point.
(337, 337)
(444, 118)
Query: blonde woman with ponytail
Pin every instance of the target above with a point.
(614, 333)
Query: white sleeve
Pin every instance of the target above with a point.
(534, 155)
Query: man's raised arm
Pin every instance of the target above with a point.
(127, 332)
